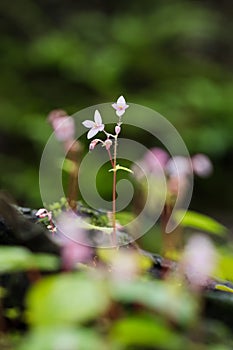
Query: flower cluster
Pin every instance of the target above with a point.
(97, 125)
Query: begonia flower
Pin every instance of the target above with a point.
(120, 106)
(94, 126)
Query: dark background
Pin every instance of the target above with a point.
(173, 56)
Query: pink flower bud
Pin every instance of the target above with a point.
(108, 144)
(93, 144)
(117, 129)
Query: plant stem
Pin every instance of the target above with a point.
(114, 192)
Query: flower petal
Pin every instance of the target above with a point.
(97, 118)
(120, 112)
(92, 132)
(114, 105)
(88, 123)
(121, 100)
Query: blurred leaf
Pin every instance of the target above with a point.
(62, 338)
(200, 222)
(168, 299)
(65, 299)
(13, 259)
(146, 332)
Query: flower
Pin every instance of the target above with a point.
(64, 128)
(94, 126)
(179, 166)
(43, 213)
(199, 261)
(120, 106)
(202, 165)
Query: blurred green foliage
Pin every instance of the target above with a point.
(172, 56)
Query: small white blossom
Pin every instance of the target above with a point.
(120, 106)
(94, 126)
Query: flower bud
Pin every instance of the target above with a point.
(117, 129)
(93, 144)
(108, 144)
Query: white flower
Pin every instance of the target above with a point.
(94, 126)
(120, 106)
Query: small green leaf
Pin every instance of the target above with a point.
(199, 222)
(119, 167)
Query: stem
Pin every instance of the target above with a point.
(110, 157)
(114, 192)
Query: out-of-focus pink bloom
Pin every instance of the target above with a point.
(64, 128)
(179, 166)
(94, 126)
(202, 165)
(56, 113)
(108, 144)
(120, 106)
(43, 213)
(153, 162)
(73, 253)
(199, 261)
(155, 159)
(74, 244)
(117, 129)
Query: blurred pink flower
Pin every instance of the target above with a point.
(155, 159)
(120, 106)
(179, 166)
(74, 243)
(94, 126)
(202, 165)
(199, 261)
(73, 253)
(64, 128)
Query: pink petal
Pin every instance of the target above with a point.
(114, 105)
(121, 100)
(101, 127)
(120, 112)
(92, 132)
(97, 118)
(88, 123)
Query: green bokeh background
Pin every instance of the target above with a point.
(173, 56)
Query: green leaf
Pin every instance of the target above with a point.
(13, 259)
(65, 299)
(48, 338)
(146, 332)
(125, 217)
(199, 222)
(166, 298)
